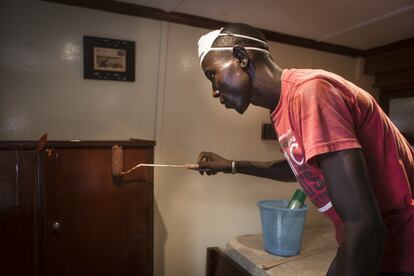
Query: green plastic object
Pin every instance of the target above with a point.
(297, 200)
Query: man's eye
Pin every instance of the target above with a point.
(210, 75)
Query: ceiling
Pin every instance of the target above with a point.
(360, 24)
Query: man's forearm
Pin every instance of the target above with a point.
(333, 267)
(362, 249)
(277, 170)
(350, 190)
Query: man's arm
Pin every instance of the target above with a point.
(277, 170)
(364, 233)
(333, 267)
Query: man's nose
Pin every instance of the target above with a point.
(215, 91)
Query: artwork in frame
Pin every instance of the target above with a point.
(108, 59)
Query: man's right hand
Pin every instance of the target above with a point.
(212, 163)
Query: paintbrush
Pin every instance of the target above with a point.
(117, 163)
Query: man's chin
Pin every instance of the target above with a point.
(242, 109)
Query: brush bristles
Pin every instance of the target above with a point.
(117, 160)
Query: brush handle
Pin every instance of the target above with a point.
(186, 166)
(117, 163)
(161, 165)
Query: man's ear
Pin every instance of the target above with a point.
(241, 55)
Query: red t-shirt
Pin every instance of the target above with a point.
(320, 112)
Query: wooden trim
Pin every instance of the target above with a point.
(37, 218)
(406, 43)
(40, 214)
(202, 22)
(312, 44)
(393, 59)
(30, 145)
(395, 79)
(390, 57)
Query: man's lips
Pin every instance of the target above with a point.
(225, 103)
(228, 105)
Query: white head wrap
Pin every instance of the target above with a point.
(206, 41)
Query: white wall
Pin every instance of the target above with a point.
(42, 90)
(41, 82)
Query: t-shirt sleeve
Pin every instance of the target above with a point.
(323, 119)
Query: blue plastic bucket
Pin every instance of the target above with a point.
(282, 228)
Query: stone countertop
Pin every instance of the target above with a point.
(318, 250)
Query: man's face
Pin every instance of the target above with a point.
(230, 83)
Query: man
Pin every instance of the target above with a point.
(352, 162)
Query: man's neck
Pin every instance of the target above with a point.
(267, 89)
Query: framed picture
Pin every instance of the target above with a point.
(108, 59)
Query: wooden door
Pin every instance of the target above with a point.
(93, 226)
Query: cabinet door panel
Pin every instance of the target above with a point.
(17, 208)
(93, 226)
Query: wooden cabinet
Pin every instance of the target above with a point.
(17, 218)
(219, 264)
(61, 213)
(393, 68)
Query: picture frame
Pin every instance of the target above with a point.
(268, 132)
(108, 59)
